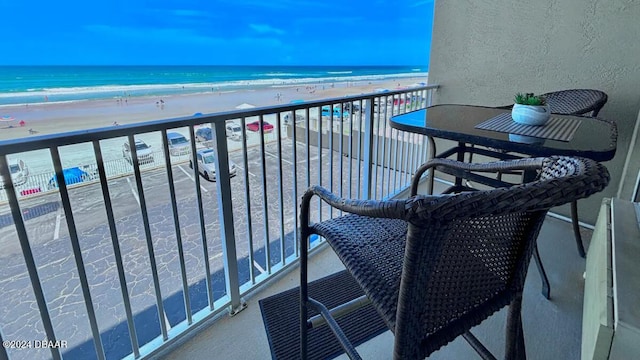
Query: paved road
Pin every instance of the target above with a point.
(49, 239)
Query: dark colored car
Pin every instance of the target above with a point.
(255, 126)
(204, 134)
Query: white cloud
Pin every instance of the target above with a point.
(266, 29)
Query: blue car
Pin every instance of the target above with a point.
(72, 175)
(326, 112)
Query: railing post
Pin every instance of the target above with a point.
(367, 177)
(225, 206)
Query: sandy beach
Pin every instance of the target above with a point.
(49, 118)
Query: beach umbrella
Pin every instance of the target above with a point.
(245, 106)
(197, 114)
(7, 118)
(297, 101)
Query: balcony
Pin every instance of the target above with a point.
(115, 249)
(552, 328)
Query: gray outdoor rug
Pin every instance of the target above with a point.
(280, 314)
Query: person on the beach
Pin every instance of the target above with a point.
(115, 123)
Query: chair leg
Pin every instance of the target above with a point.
(546, 288)
(514, 347)
(576, 228)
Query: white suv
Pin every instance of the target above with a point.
(19, 173)
(145, 154)
(206, 159)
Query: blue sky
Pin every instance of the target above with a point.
(216, 32)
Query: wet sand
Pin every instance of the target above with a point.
(63, 117)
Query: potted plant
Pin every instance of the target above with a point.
(530, 109)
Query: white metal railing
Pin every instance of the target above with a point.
(130, 257)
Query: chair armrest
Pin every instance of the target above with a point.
(496, 166)
(393, 209)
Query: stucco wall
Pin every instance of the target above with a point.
(485, 51)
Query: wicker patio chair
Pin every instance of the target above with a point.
(435, 266)
(586, 102)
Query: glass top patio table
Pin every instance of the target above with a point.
(594, 138)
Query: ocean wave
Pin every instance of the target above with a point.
(56, 94)
(279, 74)
(339, 72)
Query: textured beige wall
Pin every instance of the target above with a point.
(484, 51)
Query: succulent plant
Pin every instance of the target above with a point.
(529, 99)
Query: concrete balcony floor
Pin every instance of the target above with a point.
(552, 328)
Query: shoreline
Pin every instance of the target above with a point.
(60, 117)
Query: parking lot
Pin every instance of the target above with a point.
(257, 221)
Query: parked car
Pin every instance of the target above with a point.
(287, 119)
(326, 112)
(234, 131)
(206, 159)
(255, 126)
(204, 134)
(145, 154)
(72, 176)
(353, 107)
(19, 173)
(178, 144)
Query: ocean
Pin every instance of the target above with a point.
(20, 85)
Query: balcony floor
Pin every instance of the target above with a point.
(552, 328)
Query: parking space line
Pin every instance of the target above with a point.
(242, 169)
(134, 191)
(56, 231)
(262, 271)
(274, 156)
(310, 159)
(166, 320)
(191, 177)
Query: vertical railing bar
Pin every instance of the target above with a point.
(295, 184)
(395, 160)
(405, 161)
(376, 138)
(331, 134)
(341, 149)
(307, 123)
(391, 154)
(147, 232)
(368, 153)
(176, 224)
(414, 155)
(247, 195)
(360, 136)
(265, 200)
(378, 170)
(77, 252)
(203, 229)
(280, 187)
(3, 349)
(30, 263)
(351, 151)
(116, 249)
(384, 157)
(225, 216)
(320, 121)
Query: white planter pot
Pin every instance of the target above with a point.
(530, 114)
